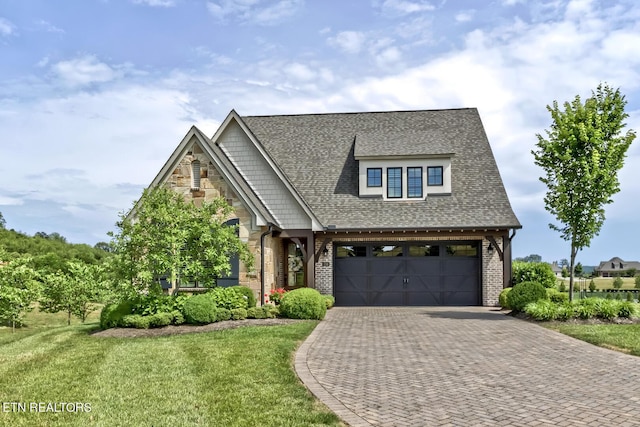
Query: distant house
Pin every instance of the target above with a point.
(557, 270)
(616, 266)
(388, 208)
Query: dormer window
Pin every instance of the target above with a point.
(434, 176)
(374, 177)
(414, 182)
(394, 183)
(195, 175)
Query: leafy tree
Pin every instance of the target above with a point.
(73, 292)
(168, 236)
(18, 289)
(578, 269)
(631, 272)
(565, 272)
(581, 156)
(637, 282)
(103, 246)
(592, 286)
(563, 263)
(617, 282)
(3, 223)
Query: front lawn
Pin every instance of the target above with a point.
(239, 377)
(624, 338)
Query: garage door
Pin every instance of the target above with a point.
(395, 274)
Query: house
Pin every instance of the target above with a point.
(375, 208)
(557, 270)
(616, 267)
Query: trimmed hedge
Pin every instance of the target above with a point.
(539, 272)
(303, 303)
(199, 310)
(329, 300)
(502, 299)
(112, 314)
(525, 293)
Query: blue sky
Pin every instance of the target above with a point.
(96, 94)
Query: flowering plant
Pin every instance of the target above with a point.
(275, 296)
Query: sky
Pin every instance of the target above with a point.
(96, 94)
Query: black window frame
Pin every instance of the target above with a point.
(379, 170)
(410, 187)
(441, 169)
(394, 187)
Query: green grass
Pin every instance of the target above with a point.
(603, 282)
(622, 338)
(239, 377)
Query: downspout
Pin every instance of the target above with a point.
(262, 236)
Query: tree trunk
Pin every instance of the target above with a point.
(68, 317)
(571, 266)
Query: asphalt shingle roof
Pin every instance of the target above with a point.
(317, 154)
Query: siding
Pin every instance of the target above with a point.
(262, 179)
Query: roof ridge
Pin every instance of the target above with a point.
(362, 112)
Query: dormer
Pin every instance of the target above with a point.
(403, 165)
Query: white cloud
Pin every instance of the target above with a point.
(465, 16)
(49, 27)
(6, 27)
(348, 41)
(405, 7)
(262, 12)
(9, 200)
(299, 71)
(156, 3)
(84, 70)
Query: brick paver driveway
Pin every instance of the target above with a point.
(463, 367)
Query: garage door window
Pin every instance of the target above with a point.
(348, 251)
(470, 250)
(387, 251)
(424, 250)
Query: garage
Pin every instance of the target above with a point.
(407, 274)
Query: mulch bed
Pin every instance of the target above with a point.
(190, 329)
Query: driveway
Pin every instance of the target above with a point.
(470, 366)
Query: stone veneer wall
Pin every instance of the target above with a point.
(213, 185)
(491, 274)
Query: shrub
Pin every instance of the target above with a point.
(626, 309)
(238, 313)
(592, 286)
(177, 317)
(137, 321)
(587, 308)
(329, 300)
(199, 310)
(502, 298)
(562, 287)
(541, 310)
(270, 311)
(247, 293)
(617, 282)
(607, 309)
(112, 314)
(557, 296)
(524, 293)
(303, 303)
(254, 312)
(539, 272)
(565, 311)
(147, 305)
(630, 297)
(223, 314)
(637, 281)
(159, 320)
(228, 298)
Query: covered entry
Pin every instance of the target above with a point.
(407, 273)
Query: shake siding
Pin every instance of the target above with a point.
(262, 179)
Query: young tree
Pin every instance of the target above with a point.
(18, 289)
(578, 269)
(581, 156)
(168, 236)
(2, 221)
(74, 292)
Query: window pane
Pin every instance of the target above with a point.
(470, 249)
(394, 182)
(374, 177)
(424, 250)
(434, 175)
(347, 251)
(414, 182)
(387, 251)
